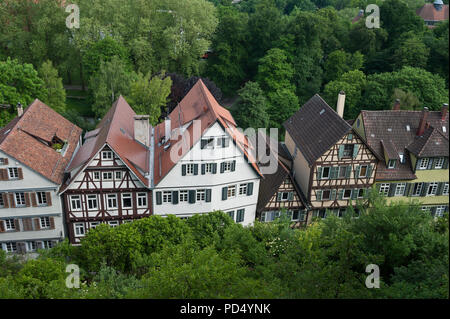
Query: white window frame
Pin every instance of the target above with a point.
(10, 247)
(433, 187)
(183, 196)
(111, 197)
(440, 210)
(243, 189)
(13, 172)
(109, 176)
(42, 199)
(391, 163)
(360, 170)
(113, 223)
(400, 189)
(107, 155)
(44, 222)
(141, 200)
(190, 169)
(92, 198)
(201, 195)
(445, 189)
(93, 225)
(425, 160)
(79, 229)
(349, 196)
(439, 164)
(384, 189)
(323, 171)
(419, 189)
(96, 175)
(74, 199)
(227, 166)
(47, 244)
(21, 198)
(31, 246)
(231, 191)
(210, 144)
(125, 196)
(118, 175)
(10, 224)
(209, 168)
(167, 196)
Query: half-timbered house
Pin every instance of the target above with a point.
(331, 164)
(35, 149)
(107, 181)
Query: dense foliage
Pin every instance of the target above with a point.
(209, 256)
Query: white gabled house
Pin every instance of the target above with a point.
(202, 162)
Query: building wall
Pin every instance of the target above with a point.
(31, 183)
(242, 174)
(301, 170)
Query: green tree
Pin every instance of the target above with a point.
(56, 95)
(275, 71)
(252, 108)
(411, 52)
(408, 101)
(148, 96)
(340, 62)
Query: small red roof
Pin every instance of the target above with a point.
(428, 12)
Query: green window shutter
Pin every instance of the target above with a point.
(240, 215)
(208, 195)
(354, 193)
(224, 193)
(445, 165)
(278, 196)
(203, 169)
(191, 196)
(333, 194)
(158, 198)
(195, 169)
(366, 192)
(318, 195)
(250, 189)
(348, 172)
(430, 163)
(319, 173)
(175, 197)
(340, 194)
(334, 172)
(439, 189)
(424, 189)
(355, 150)
(369, 171)
(357, 169)
(222, 167)
(291, 196)
(183, 170)
(233, 166)
(408, 189)
(341, 151)
(350, 137)
(417, 163)
(214, 168)
(392, 188)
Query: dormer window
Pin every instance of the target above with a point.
(402, 158)
(207, 142)
(391, 164)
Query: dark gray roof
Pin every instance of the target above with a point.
(315, 127)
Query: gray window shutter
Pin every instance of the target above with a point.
(333, 194)
(233, 166)
(203, 169)
(203, 143)
(392, 188)
(208, 195)
(191, 196)
(348, 172)
(158, 198)
(340, 194)
(279, 196)
(417, 163)
(318, 195)
(424, 189)
(369, 171)
(355, 150)
(439, 189)
(183, 170)
(226, 141)
(291, 196)
(341, 151)
(408, 189)
(433, 210)
(354, 193)
(334, 172)
(430, 163)
(175, 197)
(445, 165)
(250, 189)
(319, 173)
(195, 169)
(357, 169)
(214, 168)
(224, 193)
(222, 167)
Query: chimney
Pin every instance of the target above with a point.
(396, 106)
(340, 104)
(167, 129)
(142, 129)
(19, 109)
(444, 111)
(423, 121)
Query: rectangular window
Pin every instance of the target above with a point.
(207, 142)
(361, 193)
(400, 189)
(384, 189)
(111, 201)
(201, 195)
(243, 189)
(41, 198)
(445, 189)
(223, 141)
(342, 171)
(363, 171)
(320, 213)
(127, 201)
(20, 199)
(189, 169)
(391, 163)
(2, 203)
(142, 200)
(439, 162)
(94, 224)
(417, 190)
(231, 191)
(92, 202)
(107, 155)
(10, 247)
(167, 196)
(231, 214)
(432, 189)
(31, 246)
(424, 163)
(113, 223)
(2, 161)
(240, 215)
(325, 173)
(10, 225)
(13, 172)
(45, 222)
(347, 194)
(440, 210)
(75, 202)
(183, 196)
(209, 168)
(96, 176)
(227, 166)
(118, 175)
(79, 229)
(348, 150)
(326, 194)
(283, 196)
(47, 244)
(107, 176)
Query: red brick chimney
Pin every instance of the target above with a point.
(396, 106)
(444, 111)
(423, 121)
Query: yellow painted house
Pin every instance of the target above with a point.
(413, 152)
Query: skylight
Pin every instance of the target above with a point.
(321, 112)
(408, 128)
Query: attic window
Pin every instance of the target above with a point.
(58, 145)
(402, 157)
(7, 131)
(391, 163)
(321, 112)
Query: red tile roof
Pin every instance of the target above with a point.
(25, 138)
(429, 13)
(199, 104)
(116, 130)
